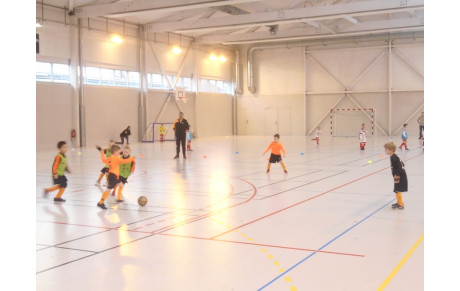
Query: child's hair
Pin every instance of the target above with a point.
(60, 144)
(127, 147)
(277, 135)
(114, 148)
(405, 124)
(390, 146)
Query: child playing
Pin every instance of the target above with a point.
(162, 132)
(58, 170)
(362, 137)
(189, 140)
(125, 171)
(105, 170)
(275, 157)
(114, 162)
(399, 174)
(404, 137)
(317, 134)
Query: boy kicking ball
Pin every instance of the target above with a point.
(275, 157)
(125, 171)
(58, 170)
(399, 174)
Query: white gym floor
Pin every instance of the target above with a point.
(218, 221)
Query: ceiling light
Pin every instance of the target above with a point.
(212, 57)
(176, 50)
(222, 59)
(117, 39)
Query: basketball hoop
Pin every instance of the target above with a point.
(180, 95)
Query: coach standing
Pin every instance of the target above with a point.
(180, 127)
(421, 123)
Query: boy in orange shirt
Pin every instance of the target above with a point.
(275, 157)
(113, 162)
(58, 170)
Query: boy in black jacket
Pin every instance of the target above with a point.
(399, 174)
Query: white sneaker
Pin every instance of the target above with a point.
(97, 183)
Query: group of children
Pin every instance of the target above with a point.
(189, 136)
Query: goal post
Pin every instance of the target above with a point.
(346, 122)
(152, 133)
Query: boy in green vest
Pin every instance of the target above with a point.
(58, 170)
(125, 171)
(105, 170)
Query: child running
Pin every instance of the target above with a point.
(162, 132)
(404, 137)
(399, 174)
(125, 171)
(317, 134)
(275, 157)
(362, 137)
(105, 170)
(58, 170)
(114, 162)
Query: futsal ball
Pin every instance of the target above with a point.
(142, 200)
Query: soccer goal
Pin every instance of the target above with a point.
(347, 121)
(152, 133)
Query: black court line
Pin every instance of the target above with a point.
(72, 249)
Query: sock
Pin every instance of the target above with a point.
(120, 193)
(55, 187)
(282, 165)
(268, 166)
(104, 196)
(61, 191)
(399, 198)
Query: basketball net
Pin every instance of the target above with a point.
(180, 95)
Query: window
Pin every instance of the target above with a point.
(121, 78)
(43, 72)
(107, 77)
(220, 87)
(61, 73)
(203, 85)
(228, 87)
(92, 76)
(134, 80)
(187, 84)
(212, 86)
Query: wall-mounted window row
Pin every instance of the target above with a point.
(215, 86)
(52, 72)
(159, 82)
(109, 77)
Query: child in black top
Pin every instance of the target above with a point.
(399, 174)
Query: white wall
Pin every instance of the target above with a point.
(54, 113)
(109, 110)
(213, 115)
(155, 102)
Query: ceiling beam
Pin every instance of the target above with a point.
(361, 28)
(123, 7)
(318, 13)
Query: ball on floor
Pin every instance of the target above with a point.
(142, 200)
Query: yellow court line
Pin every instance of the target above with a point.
(400, 264)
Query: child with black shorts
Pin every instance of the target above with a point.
(125, 171)
(105, 170)
(275, 157)
(58, 170)
(399, 174)
(114, 162)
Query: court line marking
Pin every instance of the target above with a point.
(303, 201)
(324, 246)
(264, 245)
(400, 264)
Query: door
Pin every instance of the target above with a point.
(271, 121)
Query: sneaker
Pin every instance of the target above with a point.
(398, 206)
(120, 200)
(394, 205)
(101, 205)
(176, 157)
(45, 193)
(185, 157)
(268, 171)
(407, 149)
(59, 200)
(285, 171)
(113, 193)
(98, 183)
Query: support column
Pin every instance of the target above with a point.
(81, 93)
(390, 85)
(74, 79)
(143, 93)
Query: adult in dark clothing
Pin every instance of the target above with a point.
(125, 134)
(180, 127)
(421, 124)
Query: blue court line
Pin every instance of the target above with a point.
(328, 243)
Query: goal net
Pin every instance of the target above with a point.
(347, 121)
(152, 133)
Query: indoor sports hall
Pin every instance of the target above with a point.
(230, 145)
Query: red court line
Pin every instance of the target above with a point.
(303, 201)
(264, 245)
(211, 213)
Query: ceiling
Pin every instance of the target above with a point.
(251, 21)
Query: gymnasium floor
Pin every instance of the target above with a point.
(222, 223)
